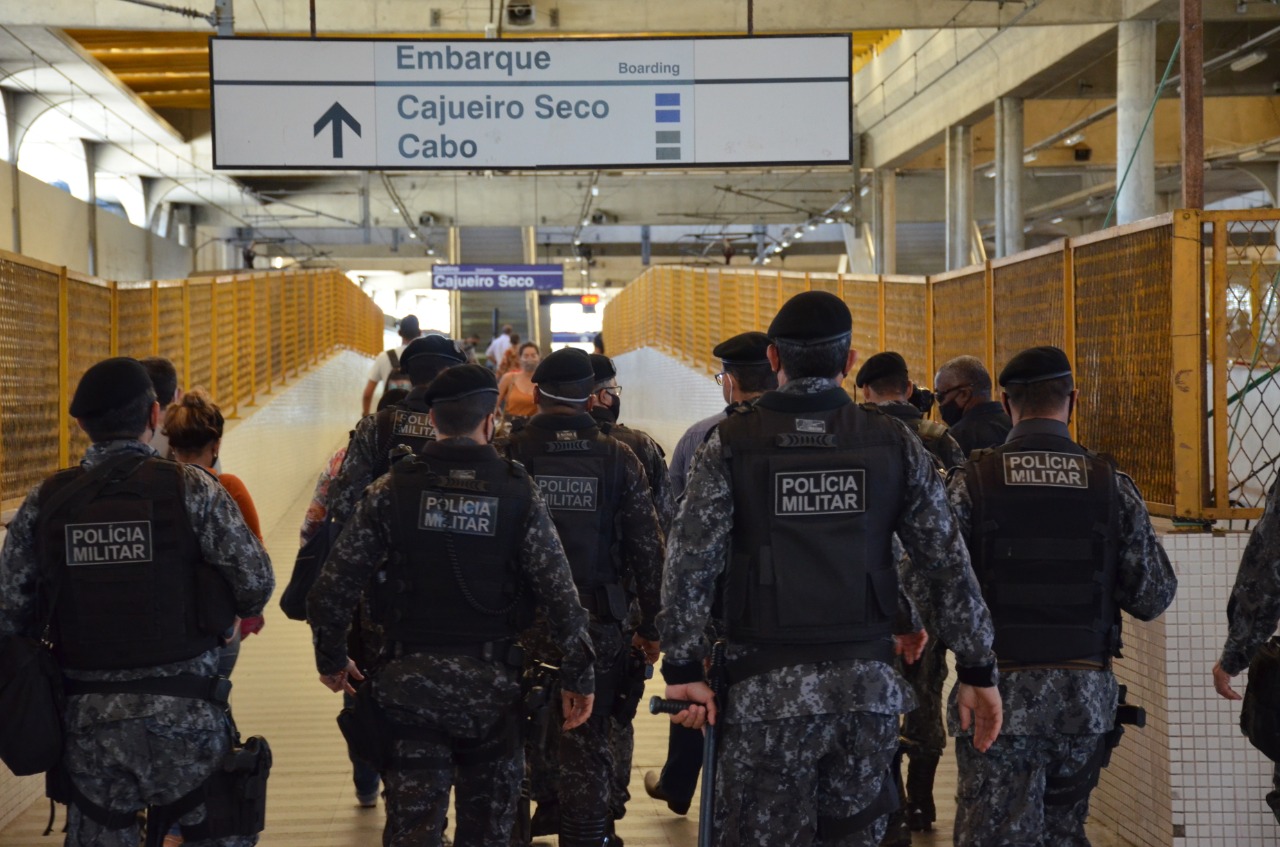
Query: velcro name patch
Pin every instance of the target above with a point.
(570, 493)
(835, 492)
(467, 514)
(406, 424)
(1053, 470)
(122, 543)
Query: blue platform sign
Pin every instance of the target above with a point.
(498, 277)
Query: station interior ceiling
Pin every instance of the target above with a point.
(132, 81)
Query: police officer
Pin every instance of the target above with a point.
(163, 564)
(469, 551)
(406, 424)
(607, 408)
(1061, 542)
(744, 375)
(1253, 611)
(792, 505)
(886, 383)
(599, 500)
(962, 388)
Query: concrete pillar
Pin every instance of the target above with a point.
(884, 221)
(91, 199)
(1135, 86)
(9, 105)
(959, 196)
(1009, 144)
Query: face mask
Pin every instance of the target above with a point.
(951, 413)
(610, 412)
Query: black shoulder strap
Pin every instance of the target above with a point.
(79, 492)
(394, 359)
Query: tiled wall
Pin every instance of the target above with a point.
(1218, 780)
(663, 396)
(278, 449)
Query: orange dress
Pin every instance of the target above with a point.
(520, 403)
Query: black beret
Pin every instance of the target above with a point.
(569, 370)
(409, 326)
(810, 318)
(747, 348)
(110, 384)
(432, 345)
(1035, 364)
(880, 366)
(602, 366)
(458, 382)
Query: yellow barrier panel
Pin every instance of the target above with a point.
(55, 324)
(1166, 321)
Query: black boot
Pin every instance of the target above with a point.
(584, 833)
(897, 834)
(921, 812)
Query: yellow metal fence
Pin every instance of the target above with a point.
(1143, 310)
(236, 335)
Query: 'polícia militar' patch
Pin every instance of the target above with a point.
(1054, 470)
(118, 543)
(808, 425)
(569, 493)
(439, 512)
(833, 492)
(411, 424)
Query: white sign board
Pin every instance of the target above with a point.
(402, 105)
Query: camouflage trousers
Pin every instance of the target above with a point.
(622, 745)
(128, 764)
(418, 798)
(1000, 798)
(923, 726)
(796, 780)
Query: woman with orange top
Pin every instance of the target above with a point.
(515, 390)
(194, 426)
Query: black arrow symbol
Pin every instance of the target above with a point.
(337, 116)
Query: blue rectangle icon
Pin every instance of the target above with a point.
(498, 277)
(666, 99)
(668, 116)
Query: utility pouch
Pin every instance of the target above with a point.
(1260, 712)
(636, 671)
(365, 729)
(541, 689)
(32, 699)
(616, 601)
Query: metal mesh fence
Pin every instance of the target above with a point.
(1027, 297)
(54, 325)
(959, 317)
(862, 296)
(905, 330)
(1124, 355)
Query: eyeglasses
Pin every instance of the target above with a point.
(720, 377)
(615, 390)
(941, 396)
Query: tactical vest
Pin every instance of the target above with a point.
(453, 578)
(580, 475)
(405, 424)
(135, 590)
(817, 493)
(1043, 540)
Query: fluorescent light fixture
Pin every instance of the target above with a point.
(1057, 220)
(577, 241)
(767, 260)
(866, 189)
(812, 226)
(1074, 139)
(1250, 155)
(1030, 157)
(799, 234)
(1027, 228)
(431, 251)
(1248, 60)
(586, 221)
(786, 243)
(595, 191)
(583, 271)
(277, 262)
(989, 173)
(413, 234)
(848, 207)
(829, 219)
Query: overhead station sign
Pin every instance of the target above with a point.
(498, 277)
(402, 104)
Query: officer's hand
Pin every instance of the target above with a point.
(651, 649)
(910, 646)
(576, 708)
(338, 682)
(1222, 683)
(694, 717)
(981, 709)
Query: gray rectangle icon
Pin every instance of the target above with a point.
(668, 153)
(668, 136)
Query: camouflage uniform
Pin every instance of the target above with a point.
(1054, 718)
(1254, 606)
(362, 466)
(126, 751)
(809, 745)
(466, 699)
(586, 762)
